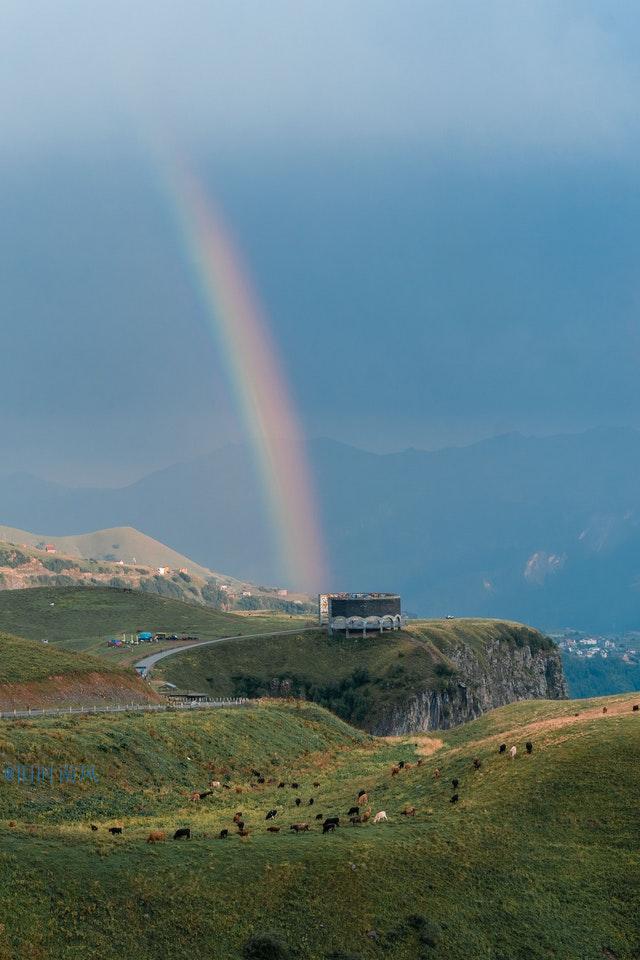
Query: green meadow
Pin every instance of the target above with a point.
(538, 859)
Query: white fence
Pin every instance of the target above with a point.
(128, 707)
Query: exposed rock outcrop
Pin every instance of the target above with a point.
(504, 673)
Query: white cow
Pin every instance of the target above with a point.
(379, 817)
(512, 752)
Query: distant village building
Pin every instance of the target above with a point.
(246, 593)
(360, 612)
(162, 571)
(283, 593)
(50, 548)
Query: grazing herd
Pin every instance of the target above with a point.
(358, 813)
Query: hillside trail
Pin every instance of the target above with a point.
(427, 745)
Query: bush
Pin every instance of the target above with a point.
(265, 946)
(430, 934)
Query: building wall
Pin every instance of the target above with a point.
(364, 606)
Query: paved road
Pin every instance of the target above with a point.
(145, 665)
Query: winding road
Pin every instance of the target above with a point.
(145, 665)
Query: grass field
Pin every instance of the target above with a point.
(360, 679)
(81, 618)
(537, 860)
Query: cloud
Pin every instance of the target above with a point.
(504, 74)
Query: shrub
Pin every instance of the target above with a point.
(265, 946)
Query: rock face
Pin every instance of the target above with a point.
(503, 674)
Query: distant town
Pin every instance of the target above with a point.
(626, 647)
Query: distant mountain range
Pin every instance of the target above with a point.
(545, 530)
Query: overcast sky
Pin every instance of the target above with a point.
(438, 203)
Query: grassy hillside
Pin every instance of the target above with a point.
(79, 618)
(124, 557)
(537, 860)
(359, 679)
(35, 674)
(116, 543)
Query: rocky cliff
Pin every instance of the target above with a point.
(501, 673)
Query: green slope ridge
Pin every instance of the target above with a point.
(80, 618)
(360, 679)
(537, 860)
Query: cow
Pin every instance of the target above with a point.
(529, 746)
(354, 820)
(328, 826)
(205, 793)
(299, 827)
(156, 836)
(477, 763)
(223, 834)
(352, 811)
(502, 748)
(316, 783)
(635, 708)
(114, 830)
(319, 816)
(512, 752)
(242, 832)
(454, 798)
(436, 774)
(402, 764)
(273, 829)
(365, 817)
(362, 800)
(237, 817)
(256, 773)
(294, 786)
(395, 771)
(240, 826)
(409, 811)
(311, 801)
(361, 793)
(271, 815)
(93, 826)
(183, 833)
(216, 784)
(298, 801)
(334, 820)
(281, 785)
(380, 816)
(260, 779)
(454, 783)
(604, 709)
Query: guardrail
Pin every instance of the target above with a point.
(127, 708)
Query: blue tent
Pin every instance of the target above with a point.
(144, 635)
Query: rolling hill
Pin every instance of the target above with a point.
(433, 674)
(538, 859)
(37, 675)
(82, 618)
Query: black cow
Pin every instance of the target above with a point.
(114, 830)
(328, 826)
(281, 785)
(477, 763)
(319, 816)
(353, 810)
(298, 801)
(260, 779)
(454, 798)
(256, 773)
(294, 786)
(311, 802)
(184, 833)
(334, 820)
(240, 826)
(454, 784)
(635, 708)
(223, 834)
(529, 746)
(401, 764)
(502, 748)
(93, 826)
(271, 815)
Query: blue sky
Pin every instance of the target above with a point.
(438, 203)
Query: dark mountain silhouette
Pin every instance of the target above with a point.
(545, 530)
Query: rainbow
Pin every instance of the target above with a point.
(236, 316)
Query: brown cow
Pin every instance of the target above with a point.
(156, 836)
(273, 829)
(395, 771)
(437, 774)
(237, 817)
(363, 800)
(409, 811)
(299, 827)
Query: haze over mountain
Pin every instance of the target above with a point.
(545, 530)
